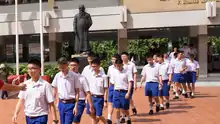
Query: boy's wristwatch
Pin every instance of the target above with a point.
(56, 121)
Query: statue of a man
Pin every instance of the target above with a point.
(82, 23)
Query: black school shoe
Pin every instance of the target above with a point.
(122, 120)
(167, 105)
(185, 95)
(161, 108)
(157, 108)
(108, 121)
(128, 121)
(176, 97)
(134, 110)
(151, 112)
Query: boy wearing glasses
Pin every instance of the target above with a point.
(37, 98)
(66, 84)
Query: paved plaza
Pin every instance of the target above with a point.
(204, 109)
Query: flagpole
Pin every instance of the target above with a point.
(41, 38)
(16, 37)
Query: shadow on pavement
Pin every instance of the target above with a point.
(181, 107)
(162, 113)
(145, 120)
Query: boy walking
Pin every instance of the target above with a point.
(98, 85)
(150, 75)
(84, 93)
(66, 84)
(123, 81)
(37, 98)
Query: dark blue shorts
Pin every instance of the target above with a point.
(179, 77)
(37, 120)
(151, 89)
(81, 106)
(66, 112)
(119, 100)
(132, 90)
(98, 104)
(165, 89)
(191, 77)
(110, 93)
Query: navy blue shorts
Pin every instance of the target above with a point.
(119, 101)
(66, 112)
(151, 89)
(98, 104)
(132, 90)
(37, 120)
(191, 77)
(179, 77)
(165, 89)
(81, 106)
(110, 93)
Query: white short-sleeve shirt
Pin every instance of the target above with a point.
(84, 87)
(172, 55)
(192, 65)
(98, 83)
(111, 70)
(66, 85)
(122, 79)
(37, 97)
(131, 67)
(178, 65)
(186, 51)
(165, 70)
(151, 72)
(87, 71)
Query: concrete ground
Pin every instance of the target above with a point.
(204, 109)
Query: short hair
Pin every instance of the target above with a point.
(191, 45)
(180, 52)
(62, 61)
(192, 56)
(96, 61)
(117, 56)
(149, 56)
(124, 53)
(185, 44)
(91, 54)
(119, 61)
(35, 62)
(160, 55)
(175, 55)
(75, 60)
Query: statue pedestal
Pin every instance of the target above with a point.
(82, 61)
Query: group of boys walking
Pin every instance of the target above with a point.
(94, 90)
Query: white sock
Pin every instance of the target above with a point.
(192, 94)
(161, 105)
(128, 118)
(184, 92)
(177, 94)
(117, 121)
(151, 106)
(109, 116)
(123, 115)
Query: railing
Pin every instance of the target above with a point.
(12, 2)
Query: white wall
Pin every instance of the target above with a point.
(105, 18)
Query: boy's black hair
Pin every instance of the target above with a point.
(192, 56)
(125, 53)
(96, 61)
(35, 62)
(62, 61)
(119, 61)
(91, 54)
(117, 56)
(160, 55)
(74, 60)
(175, 55)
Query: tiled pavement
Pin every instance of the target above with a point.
(204, 109)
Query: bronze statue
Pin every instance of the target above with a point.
(82, 23)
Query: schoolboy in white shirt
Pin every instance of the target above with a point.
(111, 70)
(37, 98)
(84, 93)
(98, 84)
(165, 77)
(66, 85)
(150, 75)
(192, 74)
(123, 83)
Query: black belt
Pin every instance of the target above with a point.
(68, 100)
(98, 96)
(121, 90)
